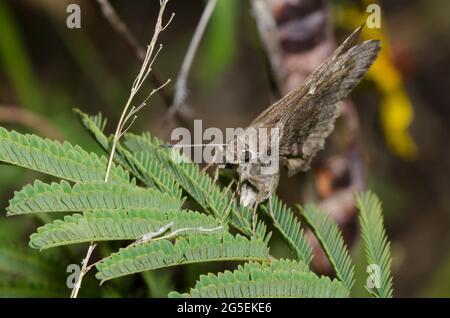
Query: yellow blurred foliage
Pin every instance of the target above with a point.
(396, 110)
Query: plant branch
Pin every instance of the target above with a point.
(122, 30)
(145, 70)
(130, 114)
(181, 91)
(156, 236)
(29, 119)
(84, 270)
(267, 29)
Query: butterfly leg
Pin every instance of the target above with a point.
(270, 208)
(207, 167)
(216, 174)
(255, 217)
(215, 160)
(255, 210)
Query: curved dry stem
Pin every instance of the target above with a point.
(129, 114)
(181, 84)
(24, 117)
(123, 31)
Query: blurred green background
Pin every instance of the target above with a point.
(47, 69)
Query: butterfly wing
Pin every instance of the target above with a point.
(273, 114)
(306, 115)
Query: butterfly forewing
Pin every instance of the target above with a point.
(307, 114)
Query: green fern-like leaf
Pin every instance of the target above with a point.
(117, 225)
(281, 278)
(60, 160)
(95, 126)
(289, 227)
(150, 170)
(377, 246)
(144, 167)
(151, 162)
(197, 184)
(143, 142)
(88, 196)
(332, 242)
(195, 248)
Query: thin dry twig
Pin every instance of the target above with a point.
(129, 115)
(29, 119)
(137, 84)
(158, 235)
(83, 271)
(181, 91)
(267, 29)
(120, 27)
(122, 30)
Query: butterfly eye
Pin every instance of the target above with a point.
(246, 156)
